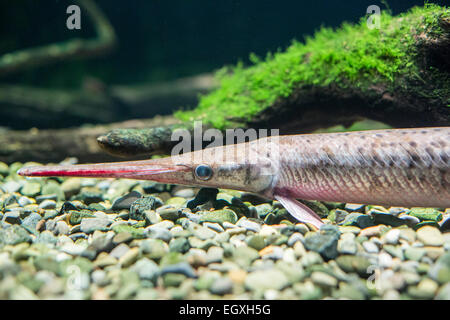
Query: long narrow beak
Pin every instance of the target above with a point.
(162, 170)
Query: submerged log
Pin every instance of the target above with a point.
(54, 145)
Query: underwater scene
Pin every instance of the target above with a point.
(224, 150)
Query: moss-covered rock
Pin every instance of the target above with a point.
(353, 56)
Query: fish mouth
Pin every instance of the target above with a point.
(144, 169)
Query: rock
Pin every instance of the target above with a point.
(374, 231)
(119, 251)
(387, 219)
(204, 233)
(426, 214)
(358, 219)
(47, 204)
(46, 237)
(89, 225)
(358, 264)
(31, 221)
(440, 270)
(262, 280)
(323, 279)
(4, 169)
(325, 242)
(415, 254)
(426, 289)
(155, 232)
(136, 233)
(103, 243)
(62, 228)
(347, 244)
(31, 189)
(180, 268)
(129, 257)
(204, 195)
(99, 278)
(184, 192)
(179, 245)
(430, 236)
(213, 226)
(122, 237)
(444, 292)
(244, 256)
(219, 216)
(51, 190)
(221, 286)
(214, 254)
(337, 215)
(354, 207)
(13, 235)
(23, 201)
(347, 291)
(154, 248)
(176, 202)
(73, 249)
(146, 269)
(262, 210)
(445, 223)
(153, 187)
(370, 247)
(409, 220)
(168, 212)
(152, 217)
(71, 186)
(249, 225)
(11, 186)
(256, 242)
(12, 217)
(294, 237)
(89, 196)
(75, 217)
(125, 201)
(139, 206)
(392, 236)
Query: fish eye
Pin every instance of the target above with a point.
(203, 172)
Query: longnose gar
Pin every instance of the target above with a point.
(398, 167)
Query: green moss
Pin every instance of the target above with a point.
(351, 55)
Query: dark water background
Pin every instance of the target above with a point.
(164, 40)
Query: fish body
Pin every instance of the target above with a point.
(396, 167)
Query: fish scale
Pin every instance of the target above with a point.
(408, 167)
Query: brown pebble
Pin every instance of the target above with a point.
(40, 226)
(374, 231)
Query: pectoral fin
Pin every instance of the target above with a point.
(300, 211)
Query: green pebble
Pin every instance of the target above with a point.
(173, 279)
(154, 248)
(171, 258)
(31, 189)
(176, 202)
(219, 216)
(169, 213)
(256, 242)
(4, 169)
(425, 214)
(179, 245)
(136, 233)
(13, 235)
(351, 263)
(75, 217)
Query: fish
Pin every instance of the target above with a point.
(392, 167)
